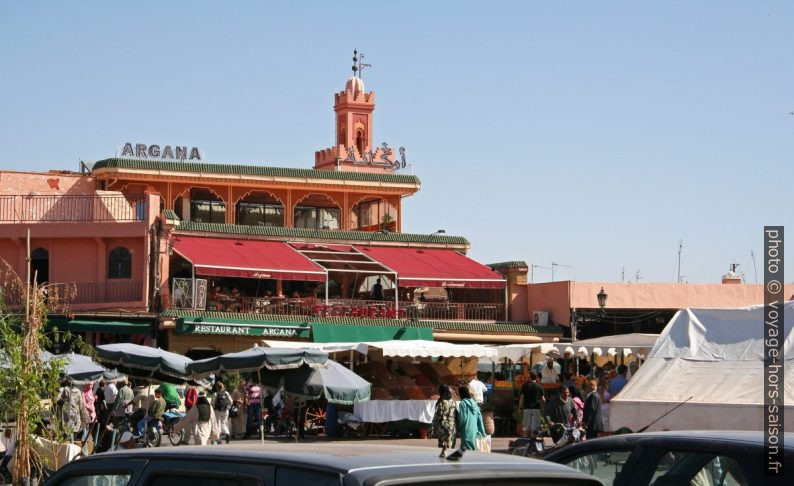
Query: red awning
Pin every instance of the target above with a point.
(435, 268)
(221, 257)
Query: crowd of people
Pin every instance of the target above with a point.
(576, 400)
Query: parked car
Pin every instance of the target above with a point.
(337, 464)
(697, 458)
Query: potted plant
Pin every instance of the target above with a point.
(487, 418)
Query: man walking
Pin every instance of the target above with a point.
(530, 402)
(617, 383)
(592, 419)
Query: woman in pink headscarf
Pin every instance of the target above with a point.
(88, 399)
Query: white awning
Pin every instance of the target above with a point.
(327, 347)
(515, 352)
(399, 348)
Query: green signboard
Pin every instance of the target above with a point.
(242, 329)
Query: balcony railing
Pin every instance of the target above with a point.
(317, 307)
(34, 209)
(86, 293)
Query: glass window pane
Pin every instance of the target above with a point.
(200, 211)
(290, 477)
(329, 218)
(97, 480)
(306, 217)
(696, 469)
(603, 465)
(274, 216)
(218, 209)
(250, 214)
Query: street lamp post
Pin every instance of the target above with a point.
(602, 300)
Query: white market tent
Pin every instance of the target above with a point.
(398, 348)
(714, 356)
(534, 351)
(625, 344)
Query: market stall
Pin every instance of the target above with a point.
(405, 375)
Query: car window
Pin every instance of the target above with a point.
(287, 476)
(696, 469)
(182, 480)
(604, 465)
(97, 480)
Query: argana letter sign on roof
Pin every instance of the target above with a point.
(143, 151)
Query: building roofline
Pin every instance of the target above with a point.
(511, 264)
(231, 230)
(250, 170)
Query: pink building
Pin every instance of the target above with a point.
(211, 258)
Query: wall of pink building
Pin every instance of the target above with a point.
(519, 309)
(38, 183)
(558, 298)
(551, 297)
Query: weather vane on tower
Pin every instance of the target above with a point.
(358, 65)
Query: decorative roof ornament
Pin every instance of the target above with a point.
(358, 65)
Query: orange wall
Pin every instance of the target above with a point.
(43, 183)
(551, 297)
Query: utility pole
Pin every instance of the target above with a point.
(554, 265)
(755, 271)
(532, 268)
(622, 274)
(637, 277)
(680, 247)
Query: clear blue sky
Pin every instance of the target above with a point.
(593, 134)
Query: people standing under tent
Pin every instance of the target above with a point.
(110, 391)
(578, 403)
(444, 420)
(604, 396)
(221, 403)
(593, 417)
(377, 290)
(530, 402)
(549, 373)
(199, 421)
(469, 423)
(73, 414)
(239, 414)
(89, 401)
(619, 381)
(254, 408)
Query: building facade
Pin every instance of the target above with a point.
(218, 257)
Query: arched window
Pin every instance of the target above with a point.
(360, 141)
(40, 265)
(120, 263)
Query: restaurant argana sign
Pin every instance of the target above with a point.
(244, 330)
(143, 151)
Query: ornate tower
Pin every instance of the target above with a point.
(353, 108)
(354, 149)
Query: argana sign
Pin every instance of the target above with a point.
(143, 151)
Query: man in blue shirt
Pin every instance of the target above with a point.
(617, 383)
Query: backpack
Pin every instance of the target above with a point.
(222, 401)
(204, 410)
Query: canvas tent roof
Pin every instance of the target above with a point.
(622, 343)
(714, 356)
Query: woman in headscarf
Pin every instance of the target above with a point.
(200, 421)
(88, 399)
(239, 400)
(469, 424)
(444, 420)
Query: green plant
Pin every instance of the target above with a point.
(29, 385)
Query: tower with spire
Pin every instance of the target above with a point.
(354, 149)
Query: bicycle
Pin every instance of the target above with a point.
(170, 418)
